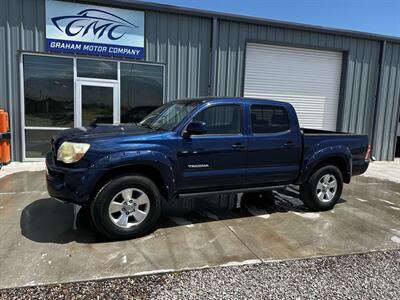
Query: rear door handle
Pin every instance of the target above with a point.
(239, 146)
(289, 144)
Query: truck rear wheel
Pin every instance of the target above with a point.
(323, 189)
(126, 207)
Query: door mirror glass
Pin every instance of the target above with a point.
(195, 128)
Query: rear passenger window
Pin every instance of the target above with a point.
(268, 119)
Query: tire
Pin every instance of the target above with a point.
(126, 207)
(320, 193)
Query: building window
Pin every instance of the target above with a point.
(97, 105)
(142, 90)
(49, 100)
(101, 69)
(37, 142)
(101, 91)
(49, 91)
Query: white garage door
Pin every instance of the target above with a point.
(308, 79)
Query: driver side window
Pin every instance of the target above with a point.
(222, 119)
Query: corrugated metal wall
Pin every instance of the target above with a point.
(359, 82)
(388, 104)
(22, 27)
(183, 43)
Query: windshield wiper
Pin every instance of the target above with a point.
(145, 125)
(159, 128)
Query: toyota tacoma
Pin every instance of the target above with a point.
(198, 147)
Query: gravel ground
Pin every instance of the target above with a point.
(367, 276)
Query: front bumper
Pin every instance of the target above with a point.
(70, 184)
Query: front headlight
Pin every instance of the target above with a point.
(71, 152)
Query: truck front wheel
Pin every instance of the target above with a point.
(126, 207)
(323, 189)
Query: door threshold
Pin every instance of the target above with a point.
(231, 191)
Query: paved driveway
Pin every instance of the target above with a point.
(38, 245)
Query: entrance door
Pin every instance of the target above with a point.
(97, 101)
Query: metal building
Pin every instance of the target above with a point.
(336, 79)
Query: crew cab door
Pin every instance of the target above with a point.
(274, 145)
(216, 159)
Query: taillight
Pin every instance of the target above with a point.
(368, 153)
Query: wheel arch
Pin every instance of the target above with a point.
(146, 170)
(338, 162)
(342, 162)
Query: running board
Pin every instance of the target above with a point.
(235, 191)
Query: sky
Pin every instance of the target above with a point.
(374, 16)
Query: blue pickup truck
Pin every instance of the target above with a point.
(198, 147)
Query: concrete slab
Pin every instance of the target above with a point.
(386, 170)
(207, 244)
(38, 245)
(17, 167)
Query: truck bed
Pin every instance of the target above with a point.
(356, 143)
(325, 132)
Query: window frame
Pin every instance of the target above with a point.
(268, 133)
(75, 79)
(217, 135)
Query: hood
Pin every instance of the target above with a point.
(101, 131)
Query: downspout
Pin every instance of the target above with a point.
(378, 89)
(214, 52)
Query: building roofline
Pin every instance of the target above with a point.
(142, 5)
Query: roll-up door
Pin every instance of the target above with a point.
(308, 79)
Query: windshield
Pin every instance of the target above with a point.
(168, 116)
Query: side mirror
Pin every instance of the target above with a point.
(195, 128)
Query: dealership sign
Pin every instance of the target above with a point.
(89, 29)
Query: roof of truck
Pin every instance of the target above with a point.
(241, 99)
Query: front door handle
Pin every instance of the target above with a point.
(196, 151)
(239, 146)
(289, 144)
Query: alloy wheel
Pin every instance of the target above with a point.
(129, 208)
(326, 188)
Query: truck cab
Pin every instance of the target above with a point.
(229, 153)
